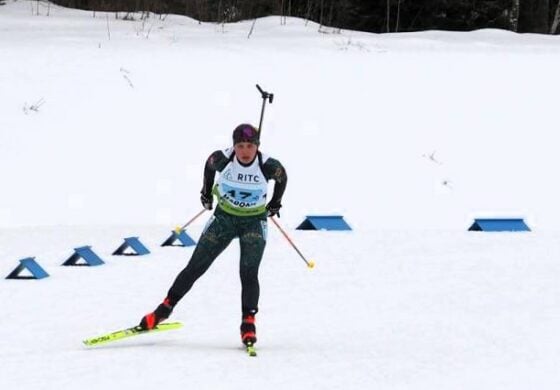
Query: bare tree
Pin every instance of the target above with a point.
(556, 19)
(308, 14)
(398, 15)
(331, 10)
(108, 29)
(514, 20)
(289, 7)
(388, 15)
(252, 27)
(198, 10)
(533, 16)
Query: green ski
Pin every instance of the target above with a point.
(129, 332)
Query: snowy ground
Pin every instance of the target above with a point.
(409, 136)
(382, 309)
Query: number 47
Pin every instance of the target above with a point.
(243, 194)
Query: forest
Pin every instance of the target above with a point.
(378, 16)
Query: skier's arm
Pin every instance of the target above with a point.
(274, 170)
(214, 163)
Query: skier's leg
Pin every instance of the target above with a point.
(252, 242)
(216, 236)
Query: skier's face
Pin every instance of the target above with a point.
(245, 151)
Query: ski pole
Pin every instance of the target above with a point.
(179, 228)
(265, 96)
(310, 263)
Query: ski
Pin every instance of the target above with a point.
(250, 349)
(129, 332)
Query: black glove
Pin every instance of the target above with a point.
(206, 201)
(273, 209)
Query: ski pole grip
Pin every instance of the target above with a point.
(265, 95)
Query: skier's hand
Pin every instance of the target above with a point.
(273, 209)
(206, 201)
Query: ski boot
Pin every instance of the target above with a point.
(162, 312)
(248, 329)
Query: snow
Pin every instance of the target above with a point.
(104, 128)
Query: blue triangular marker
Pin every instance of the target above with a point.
(134, 244)
(324, 222)
(85, 253)
(499, 225)
(32, 266)
(182, 237)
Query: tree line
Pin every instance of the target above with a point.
(534, 16)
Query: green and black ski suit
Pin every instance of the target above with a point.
(240, 213)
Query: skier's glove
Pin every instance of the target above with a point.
(206, 201)
(273, 209)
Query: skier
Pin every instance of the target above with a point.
(241, 212)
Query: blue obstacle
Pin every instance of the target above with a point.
(324, 222)
(134, 244)
(84, 253)
(499, 225)
(181, 236)
(29, 264)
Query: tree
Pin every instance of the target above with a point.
(556, 20)
(533, 16)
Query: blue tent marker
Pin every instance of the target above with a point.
(30, 265)
(183, 238)
(324, 222)
(85, 253)
(134, 244)
(499, 225)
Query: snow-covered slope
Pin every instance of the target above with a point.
(104, 128)
(124, 125)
